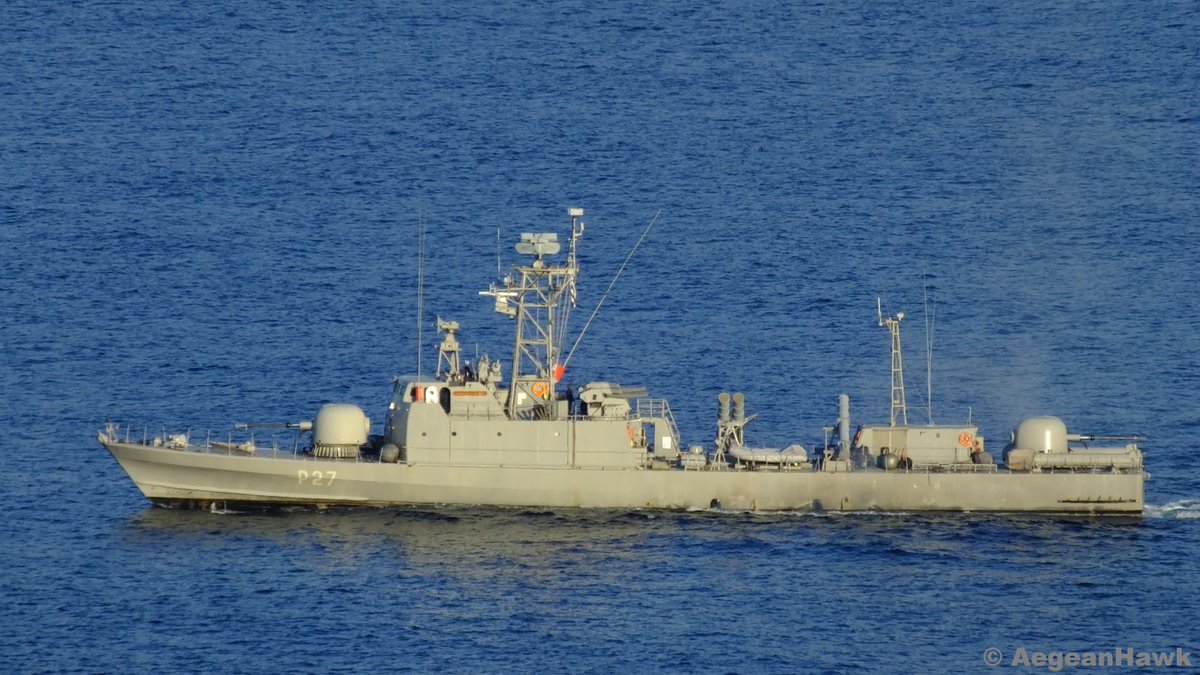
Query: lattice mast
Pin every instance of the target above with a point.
(899, 409)
(542, 295)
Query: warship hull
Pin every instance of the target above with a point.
(468, 434)
(201, 478)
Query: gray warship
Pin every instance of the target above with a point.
(468, 435)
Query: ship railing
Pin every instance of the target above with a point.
(996, 468)
(212, 443)
(657, 408)
(275, 448)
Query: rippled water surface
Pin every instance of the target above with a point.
(210, 213)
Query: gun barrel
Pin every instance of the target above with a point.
(302, 426)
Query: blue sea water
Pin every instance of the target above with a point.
(209, 212)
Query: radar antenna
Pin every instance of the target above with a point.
(449, 351)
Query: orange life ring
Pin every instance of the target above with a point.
(540, 389)
(964, 439)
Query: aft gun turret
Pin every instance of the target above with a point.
(1042, 443)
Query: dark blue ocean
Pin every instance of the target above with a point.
(209, 213)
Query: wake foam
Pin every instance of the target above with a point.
(1183, 509)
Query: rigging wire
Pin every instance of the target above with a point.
(609, 289)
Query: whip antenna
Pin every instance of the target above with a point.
(609, 289)
(930, 319)
(420, 285)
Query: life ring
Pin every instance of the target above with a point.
(964, 439)
(539, 389)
